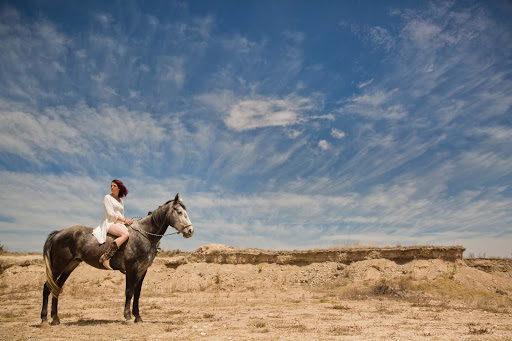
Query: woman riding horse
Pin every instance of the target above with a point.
(114, 212)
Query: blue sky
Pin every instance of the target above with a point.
(283, 124)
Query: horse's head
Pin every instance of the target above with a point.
(178, 217)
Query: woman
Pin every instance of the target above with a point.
(113, 222)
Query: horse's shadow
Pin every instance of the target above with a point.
(93, 322)
(90, 322)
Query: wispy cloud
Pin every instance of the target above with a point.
(376, 104)
(365, 84)
(252, 114)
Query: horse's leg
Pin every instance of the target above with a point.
(60, 282)
(136, 298)
(44, 310)
(131, 282)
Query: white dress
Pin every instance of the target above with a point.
(113, 210)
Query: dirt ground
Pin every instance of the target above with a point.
(374, 299)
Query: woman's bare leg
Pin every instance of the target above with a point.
(120, 231)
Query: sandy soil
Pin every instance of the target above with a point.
(374, 299)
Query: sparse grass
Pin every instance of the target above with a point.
(475, 329)
(208, 315)
(346, 330)
(261, 327)
(453, 271)
(295, 326)
(9, 315)
(173, 312)
(171, 253)
(444, 290)
(155, 305)
(340, 307)
(217, 279)
(260, 268)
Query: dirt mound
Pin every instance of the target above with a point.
(223, 254)
(9, 260)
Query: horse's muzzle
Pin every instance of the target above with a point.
(188, 232)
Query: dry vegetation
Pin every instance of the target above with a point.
(187, 299)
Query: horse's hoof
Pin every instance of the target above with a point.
(138, 319)
(44, 324)
(55, 322)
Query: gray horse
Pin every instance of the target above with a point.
(64, 250)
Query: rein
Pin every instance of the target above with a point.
(153, 234)
(136, 218)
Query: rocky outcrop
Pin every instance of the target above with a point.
(223, 254)
(490, 265)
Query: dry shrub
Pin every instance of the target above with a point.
(296, 326)
(422, 292)
(260, 325)
(346, 330)
(340, 307)
(475, 329)
(10, 315)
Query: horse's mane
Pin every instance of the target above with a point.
(180, 202)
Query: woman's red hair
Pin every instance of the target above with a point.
(123, 191)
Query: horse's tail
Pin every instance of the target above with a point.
(47, 255)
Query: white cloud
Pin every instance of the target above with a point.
(239, 44)
(100, 77)
(203, 26)
(220, 101)
(26, 135)
(495, 133)
(406, 212)
(103, 18)
(253, 114)
(152, 20)
(365, 84)
(172, 69)
(35, 53)
(295, 36)
(81, 132)
(293, 133)
(381, 36)
(376, 104)
(337, 134)
(423, 33)
(324, 145)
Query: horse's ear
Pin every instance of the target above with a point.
(177, 198)
(149, 213)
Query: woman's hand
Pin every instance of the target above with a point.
(128, 222)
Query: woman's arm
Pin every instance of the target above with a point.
(126, 221)
(121, 217)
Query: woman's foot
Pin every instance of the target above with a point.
(105, 258)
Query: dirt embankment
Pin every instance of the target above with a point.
(223, 254)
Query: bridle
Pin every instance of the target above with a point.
(143, 232)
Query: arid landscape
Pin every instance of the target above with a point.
(222, 293)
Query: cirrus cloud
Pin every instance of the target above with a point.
(252, 114)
